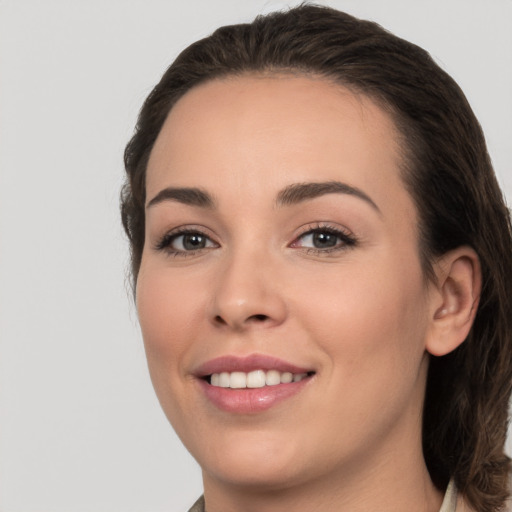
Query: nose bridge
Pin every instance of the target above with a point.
(246, 293)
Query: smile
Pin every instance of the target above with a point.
(254, 379)
(251, 384)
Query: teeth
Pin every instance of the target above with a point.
(254, 379)
(238, 380)
(273, 377)
(223, 379)
(286, 378)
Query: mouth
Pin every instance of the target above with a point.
(254, 379)
(251, 384)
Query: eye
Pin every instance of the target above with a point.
(183, 242)
(190, 242)
(324, 239)
(320, 240)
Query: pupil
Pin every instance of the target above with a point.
(322, 240)
(192, 242)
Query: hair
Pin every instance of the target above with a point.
(447, 171)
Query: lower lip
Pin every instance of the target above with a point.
(251, 400)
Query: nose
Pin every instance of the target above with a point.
(246, 294)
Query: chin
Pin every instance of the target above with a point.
(253, 461)
(255, 476)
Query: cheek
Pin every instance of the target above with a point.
(168, 311)
(369, 319)
(166, 317)
(370, 327)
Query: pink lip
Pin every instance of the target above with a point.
(249, 401)
(247, 364)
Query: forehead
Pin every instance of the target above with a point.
(275, 130)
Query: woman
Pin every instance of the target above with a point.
(322, 261)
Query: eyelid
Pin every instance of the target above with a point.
(323, 226)
(344, 234)
(346, 237)
(163, 243)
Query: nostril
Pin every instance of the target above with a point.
(220, 320)
(258, 318)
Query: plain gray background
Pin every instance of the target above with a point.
(80, 428)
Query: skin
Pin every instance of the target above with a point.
(363, 317)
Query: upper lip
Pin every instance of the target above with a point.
(247, 364)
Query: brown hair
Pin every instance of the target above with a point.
(447, 171)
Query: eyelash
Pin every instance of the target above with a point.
(164, 244)
(347, 240)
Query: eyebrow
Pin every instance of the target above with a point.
(292, 194)
(299, 192)
(186, 195)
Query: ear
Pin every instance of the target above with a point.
(454, 300)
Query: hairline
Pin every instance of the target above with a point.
(403, 131)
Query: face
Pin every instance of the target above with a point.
(281, 299)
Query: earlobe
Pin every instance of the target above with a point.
(454, 300)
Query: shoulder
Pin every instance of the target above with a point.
(508, 505)
(455, 501)
(463, 506)
(198, 506)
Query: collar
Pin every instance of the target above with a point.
(449, 503)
